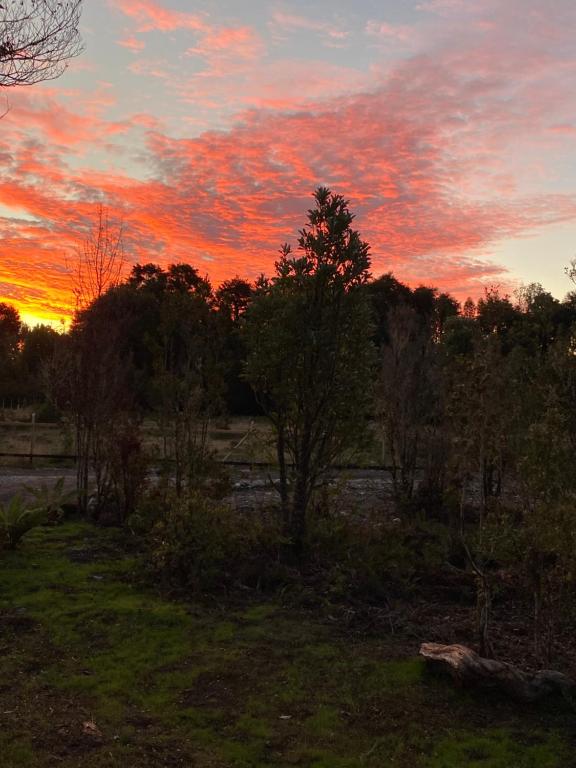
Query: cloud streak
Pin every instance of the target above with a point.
(153, 16)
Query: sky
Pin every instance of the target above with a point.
(205, 126)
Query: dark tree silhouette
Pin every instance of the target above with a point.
(37, 38)
(10, 325)
(178, 278)
(233, 297)
(310, 355)
(100, 260)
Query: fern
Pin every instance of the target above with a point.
(50, 499)
(16, 519)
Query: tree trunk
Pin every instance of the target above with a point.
(469, 669)
(83, 439)
(299, 511)
(281, 453)
(484, 607)
(301, 495)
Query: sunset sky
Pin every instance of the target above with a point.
(449, 124)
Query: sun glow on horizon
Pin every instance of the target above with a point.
(32, 319)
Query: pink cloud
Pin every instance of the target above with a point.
(225, 49)
(153, 16)
(157, 68)
(283, 22)
(227, 199)
(282, 84)
(563, 128)
(447, 6)
(132, 43)
(400, 32)
(56, 122)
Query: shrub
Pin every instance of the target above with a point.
(47, 413)
(50, 500)
(196, 543)
(127, 465)
(202, 545)
(16, 519)
(18, 516)
(370, 558)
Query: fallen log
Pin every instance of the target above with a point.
(469, 669)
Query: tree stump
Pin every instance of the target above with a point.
(469, 669)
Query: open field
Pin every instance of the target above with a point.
(240, 439)
(100, 673)
(16, 437)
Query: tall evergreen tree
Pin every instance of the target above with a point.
(310, 353)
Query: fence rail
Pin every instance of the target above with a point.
(226, 462)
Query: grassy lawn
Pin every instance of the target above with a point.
(97, 672)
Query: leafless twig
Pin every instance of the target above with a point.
(100, 259)
(37, 38)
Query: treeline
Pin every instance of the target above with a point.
(473, 407)
(24, 352)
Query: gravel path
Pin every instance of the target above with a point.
(251, 489)
(13, 479)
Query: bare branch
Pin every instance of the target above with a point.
(100, 259)
(37, 38)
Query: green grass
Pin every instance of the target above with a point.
(499, 749)
(168, 684)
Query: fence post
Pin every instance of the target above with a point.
(33, 438)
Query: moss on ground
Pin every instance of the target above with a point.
(97, 671)
(499, 749)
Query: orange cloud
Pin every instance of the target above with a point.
(225, 201)
(238, 42)
(437, 158)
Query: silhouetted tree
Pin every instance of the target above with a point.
(37, 38)
(445, 307)
(385, 293)
(233, 297)
(100, 259)
(178, 278)
(407, 394)
(10, 326)
(232, 300)
(187, 383)
(37, 347)
(310, 355)
(496, 313)
(469, 309)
